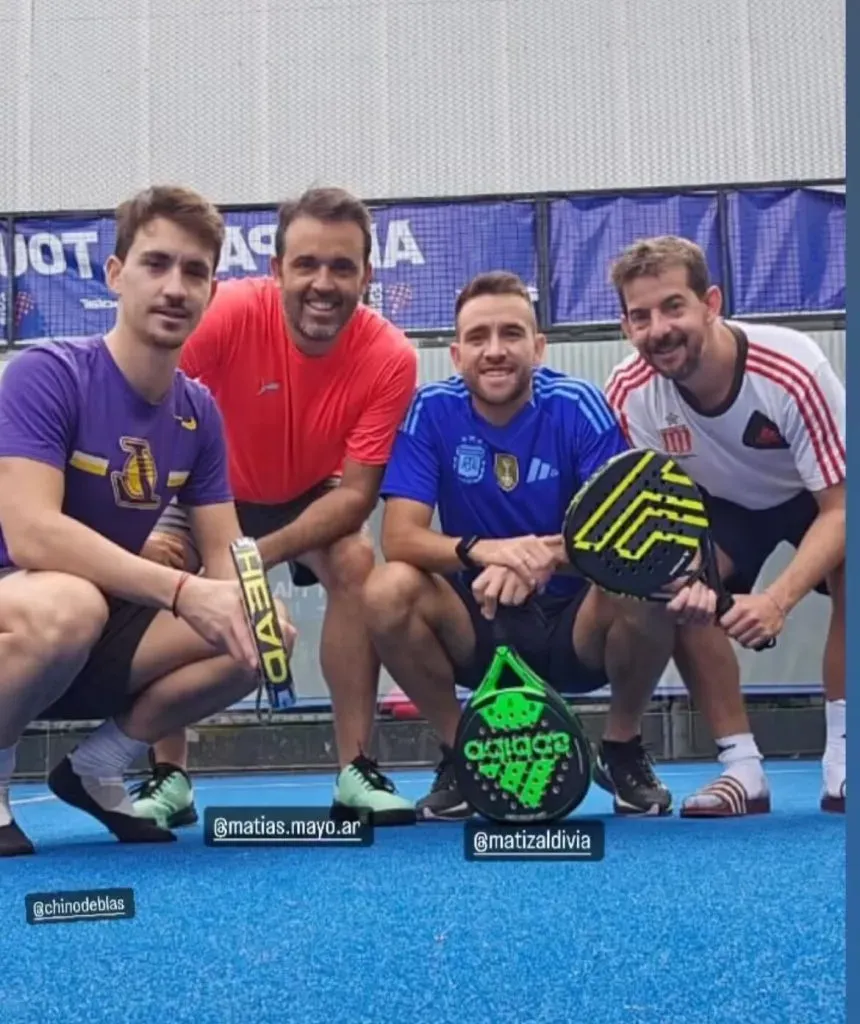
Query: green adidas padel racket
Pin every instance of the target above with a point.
(520, 754)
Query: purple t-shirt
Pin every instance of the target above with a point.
(68, 405)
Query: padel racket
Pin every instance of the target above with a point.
(638, 525)
(275, 674)
(520, 753)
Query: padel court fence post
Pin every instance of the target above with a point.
(724, 235)
(544, 275)
(9, 244)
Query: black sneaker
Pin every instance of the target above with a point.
(68, 786)
(444, 802)
(625, 770)
(13, 842)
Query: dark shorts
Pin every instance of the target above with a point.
(541, 631)
(258, 520)
(100, 689)
(750, 536)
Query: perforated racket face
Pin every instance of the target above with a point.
(521, 756)
(636, 525)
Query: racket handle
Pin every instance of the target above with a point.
(725, 603)
(500, 634)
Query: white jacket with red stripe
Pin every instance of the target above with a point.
(781, 430)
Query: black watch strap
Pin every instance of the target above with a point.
(462, 551)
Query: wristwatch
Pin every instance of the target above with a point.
(462, 551)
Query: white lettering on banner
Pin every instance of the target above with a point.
(261, 239)
(235, 252)
(81, 242)
(239, 252)
(45, 253)
(400, 246)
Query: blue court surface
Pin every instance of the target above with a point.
(682, 923)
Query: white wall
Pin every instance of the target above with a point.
(249, 100)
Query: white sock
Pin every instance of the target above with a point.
(102, 760)
(743, 761)
(7, 767)
(834, 717)
(834, 750)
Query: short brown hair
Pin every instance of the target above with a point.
(494, 282)
(650, 257)
(330, 205)
(182, 206)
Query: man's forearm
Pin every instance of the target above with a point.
(55, 542)
(821, 551)
(425, 549)
(335, 515)
(219, 566)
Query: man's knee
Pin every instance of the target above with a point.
(623, 619)
(390, 595)
(349, 563)
(57, 621)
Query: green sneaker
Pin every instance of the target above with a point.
(362, 792)
(166, 797)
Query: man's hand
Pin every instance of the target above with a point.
(531, 558)
(754, 619)
(215, 610)
(497, 585)
(166, 549)
(694, 605)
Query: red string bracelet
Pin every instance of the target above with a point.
(182, 581)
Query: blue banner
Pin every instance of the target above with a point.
(422, 255)
(786, 253)
(587, 234)
(787, 250)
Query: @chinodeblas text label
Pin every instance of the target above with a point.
(582, 840)
(282, 826)
(79, 905)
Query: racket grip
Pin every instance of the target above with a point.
(725, 603)
(500, 634)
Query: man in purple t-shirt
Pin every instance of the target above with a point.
(96, 437)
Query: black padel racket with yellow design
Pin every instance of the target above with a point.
(520, 754)
(640, 524)
(275, 674)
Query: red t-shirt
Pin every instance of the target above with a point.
(292, 419)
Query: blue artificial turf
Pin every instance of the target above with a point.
(684, 922)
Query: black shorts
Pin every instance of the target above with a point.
(259, 520)
(750, 536)
(541, 631)
(100, 690)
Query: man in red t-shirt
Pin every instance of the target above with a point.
(312, 386)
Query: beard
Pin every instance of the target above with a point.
(316, 318)
(676, 355)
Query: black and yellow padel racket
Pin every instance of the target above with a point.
(520, 754)
(275, 674)
(639, 525)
